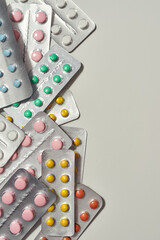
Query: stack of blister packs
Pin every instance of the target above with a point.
(42, 160)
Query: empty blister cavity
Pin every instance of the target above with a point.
(15, 85)
(23, 201)
(58, 173)
(48, 78)
(40, 133)
(10, 139)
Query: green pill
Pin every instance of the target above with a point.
(28, 114)
(44, 68)
(53, 57)
(38, 102)
(47, 90)
(34, 79)
(16, 104)
(66, 68)
(57, 78)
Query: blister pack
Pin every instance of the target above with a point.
(23, 201)
(24, 1)
(64, 108)
(10, 139)
(70, 24)
(15, 84)
(49, 77)
(58, 172)
(41, 133)
(79, 138)
(88, 205)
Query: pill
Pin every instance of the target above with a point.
(12, 68)
(64, 222)
(3, 89)
(44, 68)
(2, 170)
(76, 141)
(59, 100)
(43, 238)
(16, 34)
(76, 155)
(27, 141)
(28, 114)
(39, 157)
(48, 107)
(14, 156)
(80, 193)
(64, 178)
(15, 227)
(20, 183)
(3, 238)
(94, 204)
(28, 214)
(64, 113)
(1, 212)
(2, 126)
(66, 68)
(50, 222)
(38, 102)
(64, 163)
(47, 90)
(16, 16)
(67, 40)
(9, 118)
(8, 198)
(41, 17)
(31, 171)
(50, 163)
(1, 154)
(50, 178)
(84, 216)
(7, 53)
(38, 35)
(77, 228)
(72, 13)
(17, 83)
(64, 193)
(57, 144)
(12, 135)
(34, 79)
(1, 74)
(39, 126)
(66, 238)
(57, 79)
(40, 200)
(3, 37)
(56, 29)
(51, 208)
(64, 207)
(53, 57)
(83, 24)
(52, 116)
(61, 3)
(16, 104)
(36, 56)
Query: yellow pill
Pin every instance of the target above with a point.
(76, 141)
(64, 207)
(76, 155)
(51, 208)
(50, 178)
(59, 100)
(64, 193)
(48, 107)
(52, 116)
(50, 222)
(9, 118)
(64, 178)
(64, 163)
(52, 190)
(76, 170)
(50, 164)
(64, 112)
(64, 222)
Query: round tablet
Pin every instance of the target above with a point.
(67, 40)
(66, 238)
(15, 227)
(64, 178)
(50, 222)
(77, 228)
(28, 114)
(57, 144)
(36, 56)
(94, 204)
(52, 116)
(31, 171)
(16, 104)
(38, 35)
(80, 193)
(1, 212)
(17, 83)
(3, 238)
(50, 178)
(64, 222)
(64, 207)
(50, 163)
(12, 135)
(7, 52)
(8, 198)
(2, 170)
(64, 163)
(16, 34)
(14, 156)
(3, 89)
(51, 208)
(40, 200)
(20, 183)
(41, 17)
(9, 118)
(64, 113)
(2, 126)
(76, 155)
(16, 16)
(28, 214)
(83, 24)
(39, 126)
(27, 141)
(43, 238)
(84, 216)
(39, 157)
(59, 100)
(56, 29)
(64, 193)
(1, 154)
(72, 13)
(61, 3)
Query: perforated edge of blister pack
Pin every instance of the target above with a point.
(49, 77)
(15, 83)
(23, 198)
(10, 139)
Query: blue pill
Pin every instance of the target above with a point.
(12, 68)
(3, 88)
(7, 53)
(2, 37)
(17, 83)
(1, 74)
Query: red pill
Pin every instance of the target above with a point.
(77, 228)
(84, 216)
(80, 193)
(94, 204)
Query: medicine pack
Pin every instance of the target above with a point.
(10, 139)
(40, 133)
(58, 173)
(23, 201)
(79, 142)
(87, 206)
(15, 85)
(48, 78)
(63, 109)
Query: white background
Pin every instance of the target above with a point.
(118, 94)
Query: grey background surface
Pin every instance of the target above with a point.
(118, 94)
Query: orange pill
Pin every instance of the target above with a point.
(80, 193)
(84, 216)
(94, 204)
(77, 228)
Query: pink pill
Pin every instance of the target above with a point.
(20, 183)
(16, 16)
(27, 141)
(16, 34)
(41, 17)
(3, 238)
(28, 214)
(36, 56)
(14, 156)
(40, 200)
(1, 212)
(39, 126)
(31, 171)
(8, 198)
(38, 35)
(39, 157)
(15, 227)
(57, 144)
(2, 170)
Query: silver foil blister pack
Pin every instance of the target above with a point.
(15, 84)
(48, 78)
(64, 108)
(41, 133)
(23, 201)
(79, 142)
(10, 139)
(58, 172)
